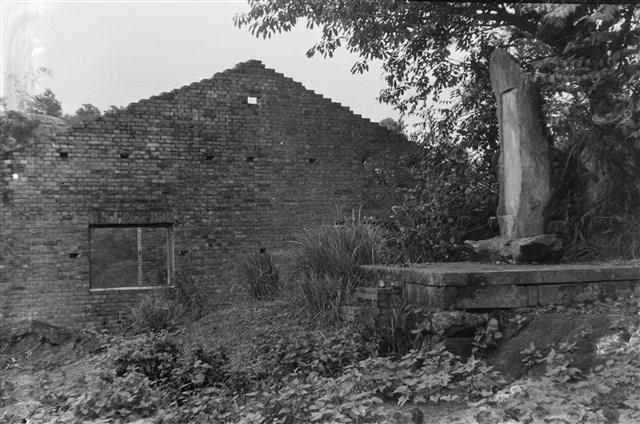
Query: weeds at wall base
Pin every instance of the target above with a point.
(260, 275)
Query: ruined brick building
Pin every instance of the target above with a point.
(101, 213)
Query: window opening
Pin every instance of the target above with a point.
(252, 100)
(130, 256)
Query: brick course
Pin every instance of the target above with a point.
(229, 176)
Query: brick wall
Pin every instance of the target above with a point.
(229, 177)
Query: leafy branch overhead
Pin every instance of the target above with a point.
(428, 47)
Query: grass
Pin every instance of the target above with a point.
(261, 275)
(326, 261)
(337, 250)
(156, 312)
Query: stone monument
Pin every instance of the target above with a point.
(524, 170)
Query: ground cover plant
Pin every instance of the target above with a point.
(262, 363)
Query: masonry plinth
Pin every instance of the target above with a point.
(468, 285)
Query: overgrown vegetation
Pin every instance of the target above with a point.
(338, 250)
(167, 308)
(156, 312)
(187, 294)
(261, 275)
(446, 196)
(45, 103)
(298, 375)
(326, 261)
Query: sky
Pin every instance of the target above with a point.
(117, 52)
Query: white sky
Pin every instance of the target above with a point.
(117, 52)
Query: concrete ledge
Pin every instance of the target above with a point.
(471, 273)
(487, 286)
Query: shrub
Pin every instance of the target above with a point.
(156, 312)
(179, 371)
(17, 129)
(446, 196)
(260, 275)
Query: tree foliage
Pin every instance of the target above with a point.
(86, 113)
(446, 196)
(430, 47)
(393, 125)
(45, 103)
(435, 55)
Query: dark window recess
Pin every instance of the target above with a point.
(263, 250)
(250, 158)
(74, 255)
(130, 255)
(124, 155)
(63, 155)
(312, 160)
(208, 157)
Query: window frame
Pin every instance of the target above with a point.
(169, 250)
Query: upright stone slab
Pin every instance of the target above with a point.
(524, 170)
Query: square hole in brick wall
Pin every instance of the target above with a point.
(252, 100)
(130, 256)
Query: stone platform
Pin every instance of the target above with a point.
(468, 285)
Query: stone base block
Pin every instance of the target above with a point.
(540, 248)
(565, 294)
(517, 296)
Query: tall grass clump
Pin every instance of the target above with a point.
(187, 296)
(338, 250)
(156, 312)
(326, 261)
(260, 275)
(164, 309)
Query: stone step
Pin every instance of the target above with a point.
(468, 285)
